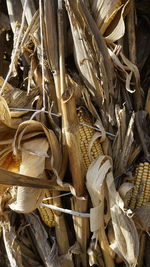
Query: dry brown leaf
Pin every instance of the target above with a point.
(142, 217)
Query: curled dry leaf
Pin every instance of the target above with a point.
(29, 129)
(33, 164)
(35, 144)
(126, 242)
(109, 17)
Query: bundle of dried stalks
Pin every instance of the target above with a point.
(74, 117)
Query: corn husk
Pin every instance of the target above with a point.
(32, 164)
(126, 242)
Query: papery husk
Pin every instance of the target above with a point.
(96, 190)
(95, 254)
(126, 242)
(29, 129)
(7, 130)
(33, 164)
(30, 10)
(35, 151)
(105, 12)
(12, 247)
(122, 145)
(19, 98)
(15, 13)
(48, 253)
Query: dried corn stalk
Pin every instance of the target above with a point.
(91, 56)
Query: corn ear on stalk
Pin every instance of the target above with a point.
(47, 214)
(141, 191)
(86, 133)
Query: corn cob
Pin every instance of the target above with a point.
(86, 133)
(141, 191)
(47, 214)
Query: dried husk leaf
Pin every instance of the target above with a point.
(15, 13)
(104, 12)
(116, 33)
(33, 164)
(5, 116)
(11, 246)
(84, 53)
(122, 145)
(98, 169)
(142, 217)
(34, 150)
(126, 242)
(30, 129)
(95, 254)
(40, 238)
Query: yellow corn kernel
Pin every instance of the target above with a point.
(47, 214)
(86, 133)
(141, 191)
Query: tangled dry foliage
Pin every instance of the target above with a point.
(74, 128)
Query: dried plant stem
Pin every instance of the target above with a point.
(52, 45)
(142, 248)
(42, 51)
(15, 53)
(70, 122)
(132, 49)
(17, 179)
(147, 104)
(61, 233)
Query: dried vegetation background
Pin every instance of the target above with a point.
(60, 61)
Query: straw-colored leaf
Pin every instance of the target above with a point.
(5, 117)
(11, 245)
(122, 146)
(126, 242)
(29, 129)
(116, 33)
(33, 164)
(104, 12)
